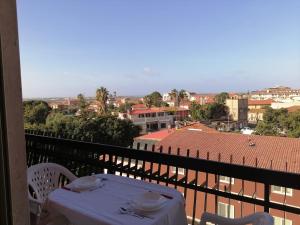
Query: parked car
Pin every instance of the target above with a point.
(247, 130)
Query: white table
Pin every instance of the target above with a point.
(101, 206)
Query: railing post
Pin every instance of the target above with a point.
(267, 197)
(110, 161)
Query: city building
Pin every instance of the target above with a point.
(285, 104)
(153, 119)
(203, 99)
(238, 111)
(276, 93)
(257, 109)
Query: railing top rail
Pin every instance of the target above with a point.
(260, 175)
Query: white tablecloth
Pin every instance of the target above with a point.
(101, 206)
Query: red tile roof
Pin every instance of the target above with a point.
(139, 106)
(266, 149)
(260, 102)
(154, 110)
(294, 108)
(158, 135)
(200, 127)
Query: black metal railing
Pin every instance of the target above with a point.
(198, 179)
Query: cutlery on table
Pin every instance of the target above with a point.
(132, 213)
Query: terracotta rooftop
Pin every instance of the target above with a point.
(269, 151)
(294, 108)
(157, 136)
(154, 110)
(139, 106)
(162, 134)
(260, 102)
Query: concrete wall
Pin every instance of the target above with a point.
(14, 111)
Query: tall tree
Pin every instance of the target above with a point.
(156, 98)
(181, 96)
(102, 97)
(221, 98)
(198, 112)
(216, 111)
(275, 122)
(148, 101)
(178, 96)
(82, 104)
(173, 94)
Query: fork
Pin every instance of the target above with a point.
(133, 213)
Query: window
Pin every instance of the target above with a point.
(148, 114)
(225, 210)
(226, 180)
(282, 221)
(141, 115)
(181, 171)
(282, 190)
(161, 114)
(163, 125)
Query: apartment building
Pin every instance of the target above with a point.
(273, 153)
(257, 108)
(203, 99)
(153, 119)
(276, 93)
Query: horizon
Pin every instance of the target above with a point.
(140, 96)
(135, 48)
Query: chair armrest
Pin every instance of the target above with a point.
(35, 206)
(263, 218)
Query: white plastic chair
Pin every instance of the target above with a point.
(42, 179)
(260, 218)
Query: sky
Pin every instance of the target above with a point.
(135, 47)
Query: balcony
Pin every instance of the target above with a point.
(206, 185)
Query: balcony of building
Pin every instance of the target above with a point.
(227, 189)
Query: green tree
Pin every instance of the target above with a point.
(221, 98)
(124, 107)
(102, 97)
(264, 128)
(216, 111)
(36, 112)
(82, 104)
(62, 124)
(198, 112)
(164, 104)
(108, 130)
(178, 96)
(292, 124)
(275, 122)
(148, 101)
(156, 99)
(181, 96)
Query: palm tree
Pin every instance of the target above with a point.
(178, 96)
(174, 96)
(82, 104)
(181, 96)
(102, 97)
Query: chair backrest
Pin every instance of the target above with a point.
(259, 218)
(44, 178)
